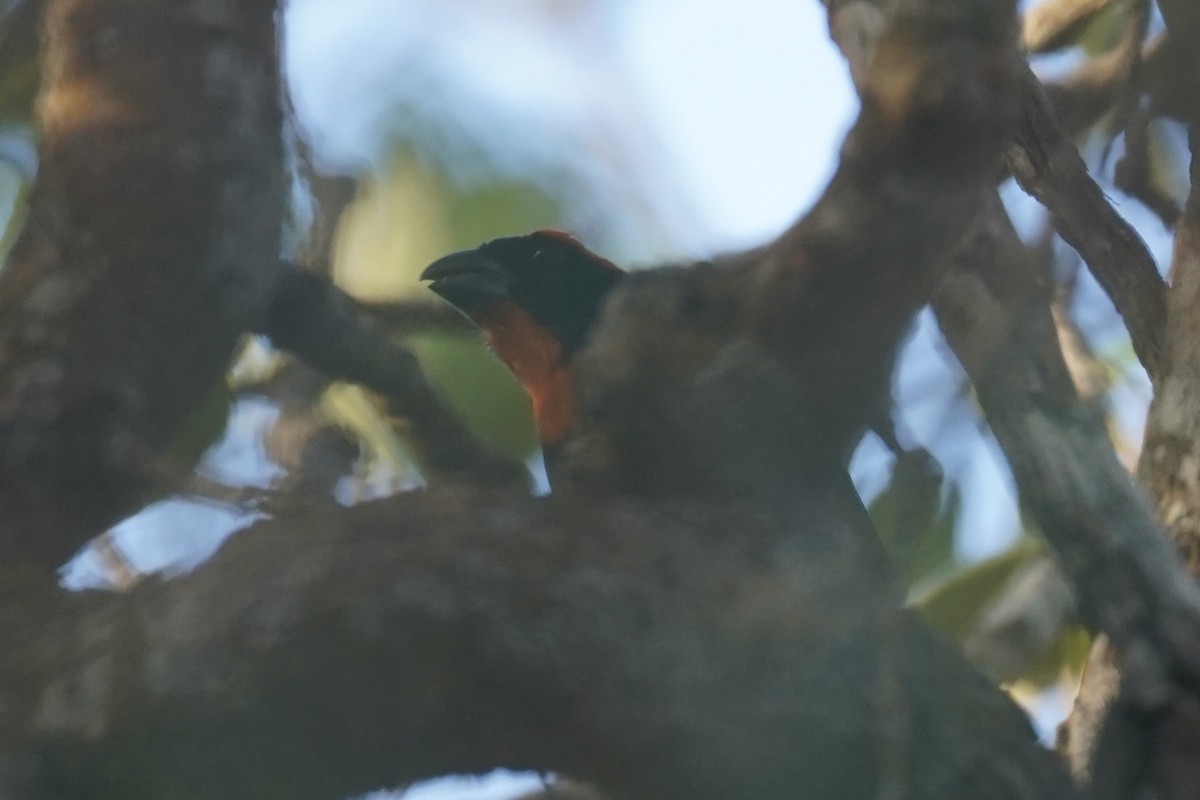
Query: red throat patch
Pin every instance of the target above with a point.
(536, 358)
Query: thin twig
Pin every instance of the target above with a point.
(321, 325)
(404, 317)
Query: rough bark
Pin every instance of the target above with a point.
(1111, 744)
(1127, 579)
(148, 249)
(1120, 750)
(1172, 450)
(674, 650)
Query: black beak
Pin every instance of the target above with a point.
(469, 281)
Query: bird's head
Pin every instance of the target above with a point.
(535, 297)
(650, 381)
(549, 275)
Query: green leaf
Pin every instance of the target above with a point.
(1101, 31)
(480, 388)
(203, 428)
(14, 192)
(19, 68)
(501, 209)
(1019, 653)
(1068, 654)
(954, 605)
(916, 527)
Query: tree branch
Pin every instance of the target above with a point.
(1047, 166)
(321, 325)
(1172, 432)
(686, 650)
(402, 317)
(837, 293)
(1128, 581)
(1123, 751)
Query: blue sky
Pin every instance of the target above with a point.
(739, 97)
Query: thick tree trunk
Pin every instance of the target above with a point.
(149, 247)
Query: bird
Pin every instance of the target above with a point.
(656, 383)
(653, 381)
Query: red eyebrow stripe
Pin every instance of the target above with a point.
(560, 235)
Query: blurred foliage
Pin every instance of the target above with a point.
(14, 193)
(1098, 33)
(398, 225)
(502, 209)
(411, 213)
(203, 428)
(389, 465)
(959, 604)
(916, 527)
(954, 605)
(407, 216)
(19, 38)
(19, 76)
(1035, 642)
(1066, 656)
(482, 390)
(1168, 162)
